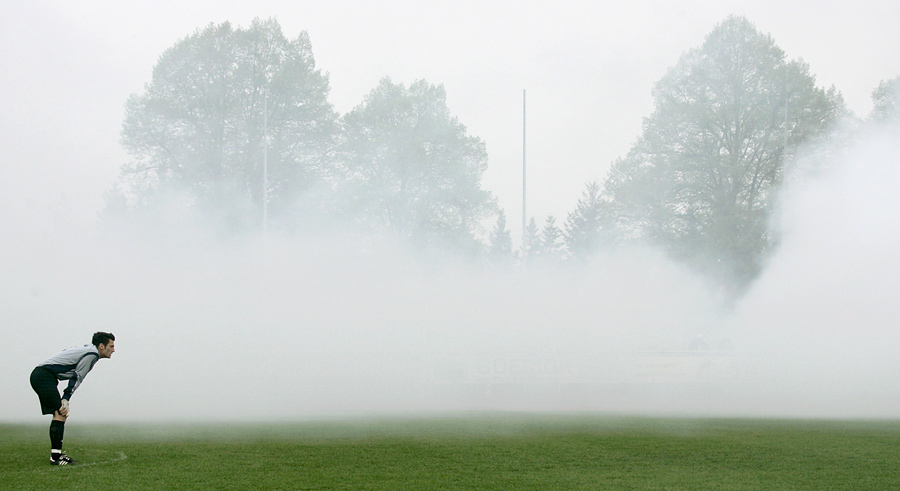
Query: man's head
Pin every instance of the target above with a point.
(105, 343)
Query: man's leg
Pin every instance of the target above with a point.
(44, 384)
(57, 430)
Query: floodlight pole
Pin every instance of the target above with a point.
(265, 194)
(524, 214)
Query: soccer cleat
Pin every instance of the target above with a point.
(61, 459)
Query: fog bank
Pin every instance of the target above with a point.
(278, 328)
(822, 319)
(282, 328)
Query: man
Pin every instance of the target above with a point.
(72, 364)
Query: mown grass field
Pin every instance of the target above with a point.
(508, 452)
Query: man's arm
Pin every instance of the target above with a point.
(85, 364)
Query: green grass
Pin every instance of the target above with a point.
(515, 452)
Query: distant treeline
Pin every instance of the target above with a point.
(235, 129)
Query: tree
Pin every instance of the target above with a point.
(544, 244)
(701, 178)
(552, 241)
(886, 101)
(198, 128)
(531, 241)
(500, 246)
(410, 169)
(586, 225)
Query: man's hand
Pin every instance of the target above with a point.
(64, 408)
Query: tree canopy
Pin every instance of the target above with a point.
(886, 100)
(410, 168)
(701, 177)
(198, 127)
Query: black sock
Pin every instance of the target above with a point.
(57, 428)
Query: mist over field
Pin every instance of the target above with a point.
(286, 328)
(256, 328)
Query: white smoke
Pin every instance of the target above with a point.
(279, 328)
(260, 328)
(821, 322)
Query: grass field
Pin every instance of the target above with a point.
(515, 452)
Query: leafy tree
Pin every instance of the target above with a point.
(410, 168)
(586, 226)
(701, 178)
(198, 127)
(886, 99)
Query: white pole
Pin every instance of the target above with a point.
(524, 214)
(265, 164)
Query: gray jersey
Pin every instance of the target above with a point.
(72, 364)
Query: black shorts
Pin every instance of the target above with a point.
(44, 383)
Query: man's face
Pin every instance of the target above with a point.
(106, 350)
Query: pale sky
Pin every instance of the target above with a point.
(588, 68)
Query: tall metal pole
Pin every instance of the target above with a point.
(266, 164)
(524, 214)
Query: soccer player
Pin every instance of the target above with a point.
(72, 364)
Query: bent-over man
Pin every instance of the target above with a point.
(71, 364)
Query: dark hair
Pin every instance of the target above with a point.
(102, 338)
